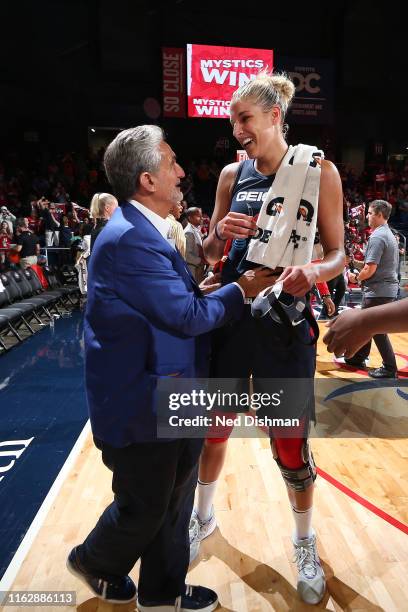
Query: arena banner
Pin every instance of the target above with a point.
(314, 81)
(214, 73)
(174, 99)
(242, 155)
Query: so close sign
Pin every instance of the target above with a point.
(214, 73)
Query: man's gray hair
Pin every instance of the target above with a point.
(381, 206)
(193, 210)
(132, 152)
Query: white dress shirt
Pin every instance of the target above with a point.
(162, 225)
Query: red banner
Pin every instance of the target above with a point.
(174, 102)
(214, 73)
(242, 155)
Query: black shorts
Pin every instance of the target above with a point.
(261, 348)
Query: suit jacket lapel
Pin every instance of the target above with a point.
(178, 261)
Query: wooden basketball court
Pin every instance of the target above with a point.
(361, 526)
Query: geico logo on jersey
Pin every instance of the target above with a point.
(251, 196)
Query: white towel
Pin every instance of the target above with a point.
(288, 217)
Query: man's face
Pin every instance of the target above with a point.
(196, 219)
(177, 210)
(168, 177)
(374, 219)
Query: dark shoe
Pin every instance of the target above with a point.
(114, 589)
(355, 363)
(382, 373)
(195, 598)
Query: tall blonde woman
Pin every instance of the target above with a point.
(260, 347)
(103, 205)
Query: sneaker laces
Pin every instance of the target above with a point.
(305, 559)
(194, 528)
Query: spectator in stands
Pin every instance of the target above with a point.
(103, 205)
(27, 244)
(379, 282)
(194, 243)
(6, 215)
(51, 224)
(176, 232)
(59, 194)
(65, 233)
(85, 228)
(5, 240)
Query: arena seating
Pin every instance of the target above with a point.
(24, 303)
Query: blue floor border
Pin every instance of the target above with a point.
(42, 413)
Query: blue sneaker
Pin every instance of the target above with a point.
(195, 598)
(114, 589)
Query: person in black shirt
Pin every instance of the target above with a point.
(47, 212)
(28, 244)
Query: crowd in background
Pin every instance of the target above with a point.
(51, 200)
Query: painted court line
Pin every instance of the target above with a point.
(363, 502)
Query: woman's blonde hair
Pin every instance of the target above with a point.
(98, 204)
(267, 90)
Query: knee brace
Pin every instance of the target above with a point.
(301, 478)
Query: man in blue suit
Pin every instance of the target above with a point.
(145, 318)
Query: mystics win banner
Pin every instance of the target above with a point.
(174, 103)
(214, 73)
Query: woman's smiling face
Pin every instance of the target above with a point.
(253, 127)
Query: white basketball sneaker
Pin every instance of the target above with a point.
(199, 530)
(311, 584)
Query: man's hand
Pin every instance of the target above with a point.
(254, 281)
(210, 283)
(352, 278)
(298, 280)
(347, 333)
(236, 225)
(330, 307)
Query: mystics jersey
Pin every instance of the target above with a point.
(248, 194)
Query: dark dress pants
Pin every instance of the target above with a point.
(154, 486)
(381, 340)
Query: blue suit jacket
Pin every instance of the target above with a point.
(145, 317)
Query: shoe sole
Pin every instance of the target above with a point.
(80, 577)
(209, 608)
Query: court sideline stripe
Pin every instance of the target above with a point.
(22, 551)
(363, 502)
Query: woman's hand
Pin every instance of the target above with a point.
(298, 280)
(236, 225)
